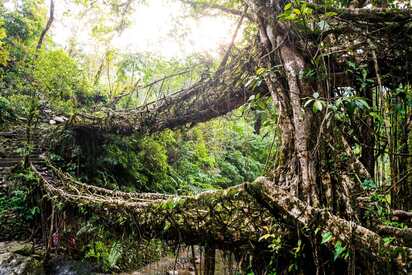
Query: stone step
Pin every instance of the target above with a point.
(4, 170)
(18, 145)
(10, 162)
(6, 148)
(11, 149)
(14, 155)
(11, 142)
(19, 139)
(10, 134)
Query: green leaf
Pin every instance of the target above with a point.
(361, 103)
(167, 226)
(357, 150)
(287, 6)
(260, 71)
(298, 248)
(339, 250)
(307, 103)
(266, 236)
(331, 14)
(250, 82)
(317, 106)
(369, 184)
(326, 237)
(114, 255)
(388, 240)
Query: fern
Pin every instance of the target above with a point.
(114, 255)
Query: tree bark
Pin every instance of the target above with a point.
(401, 168)
(210, 259)
(47, 27)
(297, 125)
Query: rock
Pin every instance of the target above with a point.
(14, 247)
(16, 264)
(60, 119)
(15, 259)
(20, 248)
(65, 266)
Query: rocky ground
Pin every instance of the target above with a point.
(19, 258)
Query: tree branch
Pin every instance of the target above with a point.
(47, 27)
(403, 234)
(366, 14)
(215, 7)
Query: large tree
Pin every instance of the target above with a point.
(332, 58)
(324, 65)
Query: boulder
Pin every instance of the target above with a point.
(60, 119)
(16, 264)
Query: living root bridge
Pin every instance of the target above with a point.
(217, 95)
(227, 218)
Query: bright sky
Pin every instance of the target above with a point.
(154, 29)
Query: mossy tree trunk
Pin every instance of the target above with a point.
(304, 166)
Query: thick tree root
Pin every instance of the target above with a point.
(345, 231)
(228, 218)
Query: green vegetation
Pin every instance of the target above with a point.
(38, 84)
(19, 210)
(216, 154)
(315, 97)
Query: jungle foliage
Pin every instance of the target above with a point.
(334, 135)
(212, 155)
(217, 154)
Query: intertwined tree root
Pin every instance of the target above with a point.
(208, 98)
(228, 218)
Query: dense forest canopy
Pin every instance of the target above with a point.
(308, 100)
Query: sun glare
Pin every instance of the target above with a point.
(159, 27)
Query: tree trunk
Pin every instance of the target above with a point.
(210, 259)
(304, 167)
(258, 123)
(46, 28)
(401, 169)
